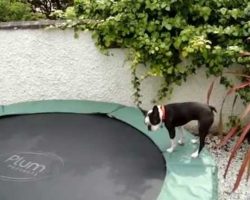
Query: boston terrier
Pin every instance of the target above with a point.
(175, 115)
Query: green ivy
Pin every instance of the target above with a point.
(162, 33)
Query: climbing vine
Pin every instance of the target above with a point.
(162, 34)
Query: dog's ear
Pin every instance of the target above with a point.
(155, 109)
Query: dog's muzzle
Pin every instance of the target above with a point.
(153, 127)
(150, 126)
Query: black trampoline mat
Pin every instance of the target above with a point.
(77, 157)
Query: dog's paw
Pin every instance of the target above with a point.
(194, 141)
(180, 142)
(170, 150)
(195, 154)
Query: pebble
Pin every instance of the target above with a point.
(221, 157)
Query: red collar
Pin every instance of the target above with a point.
(164, 114)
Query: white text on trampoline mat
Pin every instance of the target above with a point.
(18, 163)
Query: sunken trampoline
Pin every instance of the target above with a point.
(83, 150)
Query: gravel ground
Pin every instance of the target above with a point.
(221, 157)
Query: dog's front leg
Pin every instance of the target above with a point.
(172, 139)
(181, 131)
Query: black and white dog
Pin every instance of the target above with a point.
(175, 115)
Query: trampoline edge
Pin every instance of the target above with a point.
(132, 117)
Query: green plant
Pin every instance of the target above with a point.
(13, 10)
(163, 33)
(238, 126)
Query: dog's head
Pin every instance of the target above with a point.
(153, 118)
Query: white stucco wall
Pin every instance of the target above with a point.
(50, 64)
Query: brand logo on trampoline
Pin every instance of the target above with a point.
(18, 163)
(26, 166)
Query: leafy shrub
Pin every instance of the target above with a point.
(163, 33)
(13, 10)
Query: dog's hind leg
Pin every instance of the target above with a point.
(194, 141)
(204, 127)
(201, 145)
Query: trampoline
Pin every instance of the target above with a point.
(75, 150)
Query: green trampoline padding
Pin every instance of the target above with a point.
(186, 178)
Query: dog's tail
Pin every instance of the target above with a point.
(213, 109)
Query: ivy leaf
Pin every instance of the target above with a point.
(181, 69)
(223, 11)
(167, 8)
(184, 54)
(170, 70)
(205, 54)
(168, 26)
(177, 43)
(235, 13)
